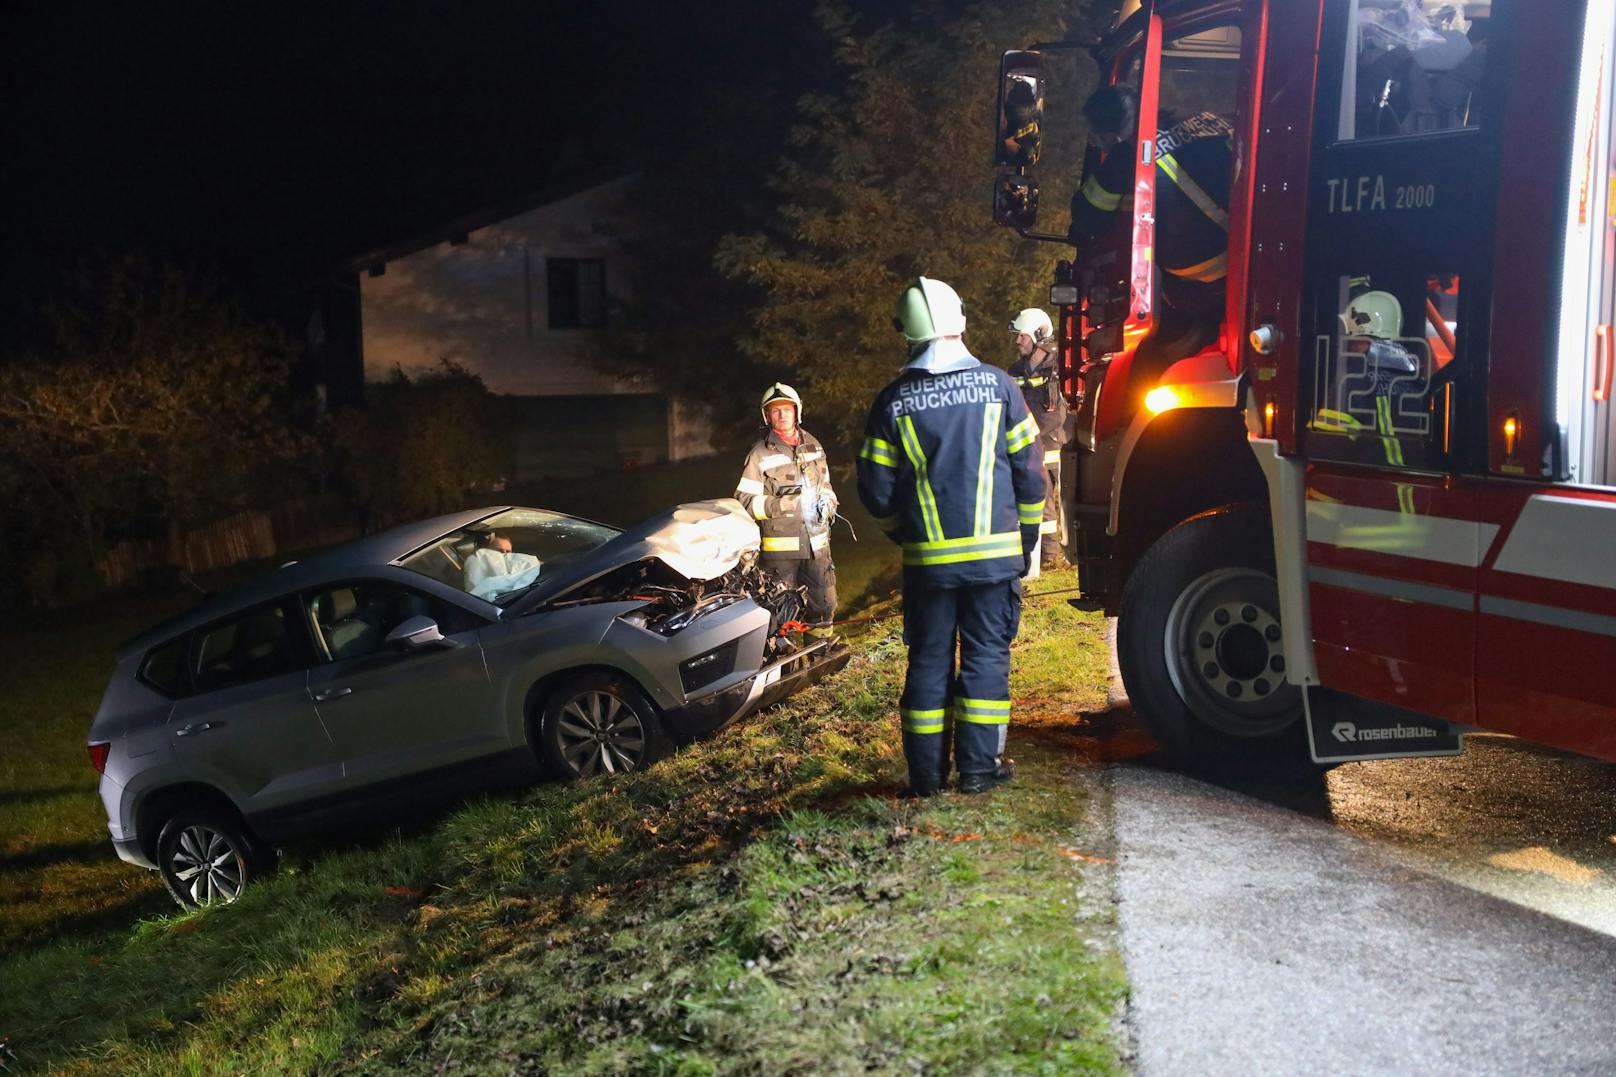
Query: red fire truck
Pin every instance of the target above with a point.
(1381, 510)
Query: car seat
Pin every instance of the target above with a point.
(347, 632)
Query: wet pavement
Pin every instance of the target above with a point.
(1423, 916)
(1508, 818)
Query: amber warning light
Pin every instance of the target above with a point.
(1512, 432)
(1160, 399)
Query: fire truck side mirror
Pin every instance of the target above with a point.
(1015, 201)
(1018, 139)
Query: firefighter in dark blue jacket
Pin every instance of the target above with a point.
(951, 469)
(1194, 168)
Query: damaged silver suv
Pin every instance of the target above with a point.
(444, 656)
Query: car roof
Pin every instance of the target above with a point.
(366, 552)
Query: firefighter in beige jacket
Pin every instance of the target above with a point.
(786, 487)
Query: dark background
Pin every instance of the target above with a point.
(268, 143)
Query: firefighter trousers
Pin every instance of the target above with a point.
(1051, 529)
(973, 706)
(818, 574)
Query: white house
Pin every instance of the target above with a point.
(524, 302)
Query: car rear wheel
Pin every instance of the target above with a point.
(599, 723)
(206, 857)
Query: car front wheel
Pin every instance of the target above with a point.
(206, 858)
(599, 723)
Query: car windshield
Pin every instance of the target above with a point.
(503, 554)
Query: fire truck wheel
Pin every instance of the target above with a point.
(1200, 649)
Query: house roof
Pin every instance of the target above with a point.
(456, 229)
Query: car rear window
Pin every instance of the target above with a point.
(164, 667)
(256, 645)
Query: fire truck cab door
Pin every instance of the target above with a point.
(1396, 280)
(1115, 264)
(1142, 264)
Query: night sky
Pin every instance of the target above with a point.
(275, 140)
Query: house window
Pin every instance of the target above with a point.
(577, 290)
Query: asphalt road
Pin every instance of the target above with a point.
(1432, 916)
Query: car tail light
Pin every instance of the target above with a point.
(98, 756)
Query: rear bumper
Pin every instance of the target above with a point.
(130, 852)
(774, 682)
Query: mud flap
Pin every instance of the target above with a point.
(1090, 550)
(1345, 729)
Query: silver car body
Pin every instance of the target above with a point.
(293, 751)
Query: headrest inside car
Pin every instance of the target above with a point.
(342, 605)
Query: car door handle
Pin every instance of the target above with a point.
(326, 695)
(196, 727)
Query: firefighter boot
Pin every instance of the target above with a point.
(826, 634)
(982, 783)
(919, 790)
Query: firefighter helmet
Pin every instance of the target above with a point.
(1373, 314)
(780, 391)
(929, 309)
(1035, 323)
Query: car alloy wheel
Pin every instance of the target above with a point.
(206, 858)
(208, 866)
(600, 733)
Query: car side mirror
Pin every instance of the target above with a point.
(417, 633)
(1018, 139)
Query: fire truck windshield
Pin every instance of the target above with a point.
(1412, 67)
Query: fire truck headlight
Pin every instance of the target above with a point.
(1162, 398)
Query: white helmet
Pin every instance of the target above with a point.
(779, 391)
(1373, 314)
(1035, 323)
(929, 309)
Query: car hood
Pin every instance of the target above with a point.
(700, 540)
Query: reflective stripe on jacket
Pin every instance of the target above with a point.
(1038, 377)
(1194, 162)
(772, 468)
(952, 469)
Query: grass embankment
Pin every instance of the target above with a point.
(58, 872)
(760, 902)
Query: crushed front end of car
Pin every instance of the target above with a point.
(694, 573)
